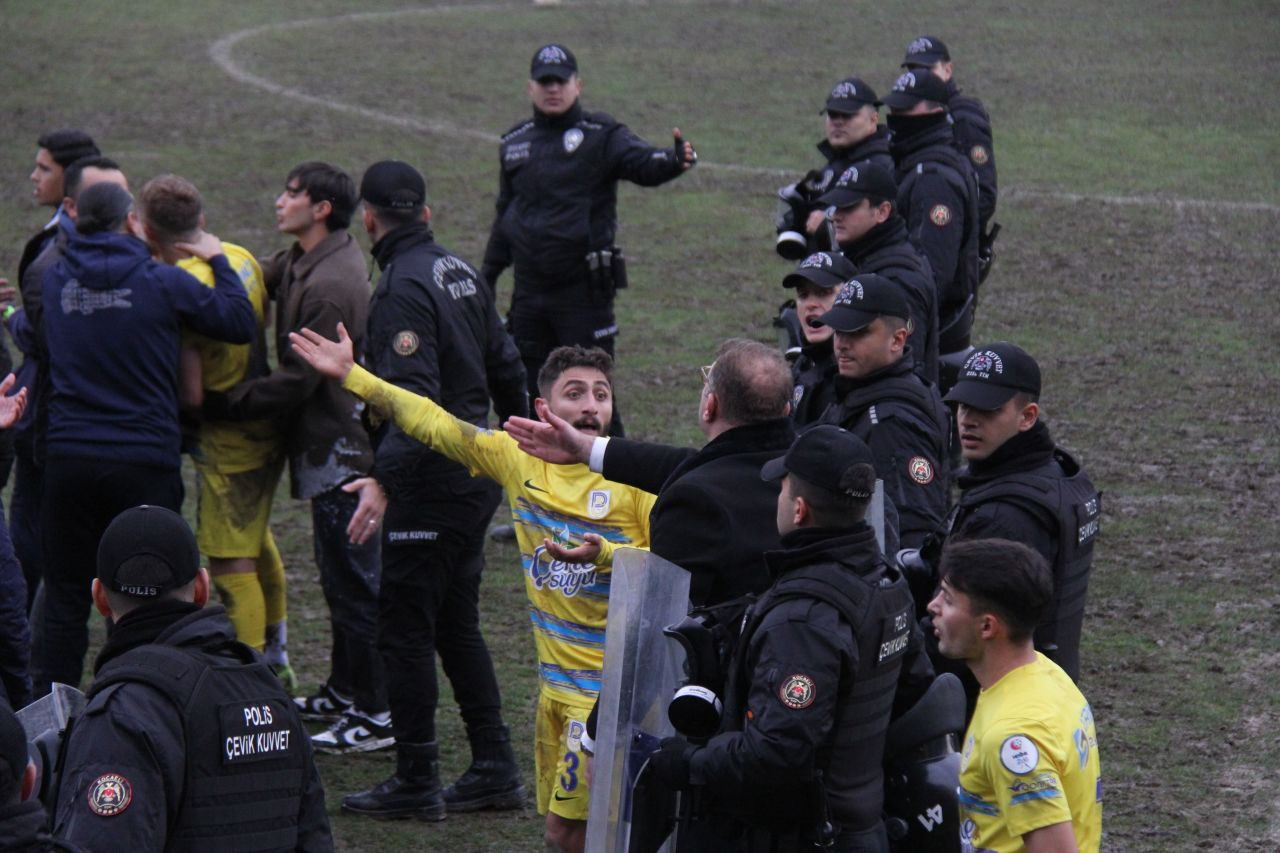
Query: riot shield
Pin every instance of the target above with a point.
(875, 513)
(44, 720)
(642, 668)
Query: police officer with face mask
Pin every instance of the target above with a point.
(556, 212)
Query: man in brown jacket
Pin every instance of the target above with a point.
(318, 282)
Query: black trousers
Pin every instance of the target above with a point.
(81, 498)
(432, 560)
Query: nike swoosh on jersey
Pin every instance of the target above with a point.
(528, 484)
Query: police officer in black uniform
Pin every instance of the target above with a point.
(433, 330)
(853, 135)
(824, 657)
(972, 123)
(188, 741)
(874, 238)
(1019, 485)
(938, 198)
(557, 219)
(816, 281)
(881, 399)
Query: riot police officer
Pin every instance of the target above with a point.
(853, 134)
(816, 281)
(556, 212)
(180, 715)
(823, 658)
(938, 198)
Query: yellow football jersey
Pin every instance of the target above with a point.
(1030, 760)
(231, 447)
(568, 603)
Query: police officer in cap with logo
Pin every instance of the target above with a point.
(853, 134)
(556, 213)
(881, 399)
(816, 281)
(188, 741)
(1020, 485)
(938, 197)
(825, 656)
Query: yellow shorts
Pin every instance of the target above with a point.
(557, 758)
(233, 509)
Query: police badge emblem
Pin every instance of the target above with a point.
(797, 692)
(921, 470)
(110, 794)
(978, 154)
(405, 343)
(940, 215)
(572, 139)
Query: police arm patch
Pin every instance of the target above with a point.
(940, 215)
(405, 343)
(1019, 754)
(978, 154)
(921, 470)
(109, 795)
(797, 691)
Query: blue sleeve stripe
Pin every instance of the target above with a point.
(1036, 795)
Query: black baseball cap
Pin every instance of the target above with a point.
(925, 51)
(14, 754)
(865, 180)
(862, 299)
(553, 60)
(820, 455)
(393, 184)
(147, 550)
(825, 269)
(993, 374)
(849, 96)
(915, 86)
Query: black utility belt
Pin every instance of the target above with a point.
(607, 270)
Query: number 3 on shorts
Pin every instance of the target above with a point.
(569, 779)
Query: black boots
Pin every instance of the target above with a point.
(493, 779)
(414, 791)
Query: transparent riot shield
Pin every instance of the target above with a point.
(44, 721)
(875, 513)
(642, 668)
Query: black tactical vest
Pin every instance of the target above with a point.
(864, 406)
(1059, 489)
(956, 169)
(246, 767)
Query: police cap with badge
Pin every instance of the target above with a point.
(147, 551)
(553, 60)
(825, 269)
(925, 52)
(864, 298)
(915, 86)
(849, 96)
(993, 374)
(865, 180)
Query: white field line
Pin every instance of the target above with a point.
(221, 53)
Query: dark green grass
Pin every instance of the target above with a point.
(1155, 324)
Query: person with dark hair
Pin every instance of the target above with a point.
(881, 399)
(237, 464)
(568, 521)
(823, 658)
(557, 213)
(816, 281)
(853, 136)
(433, 330)
(1030, 777)
(180, 715)
(713, 516)
(938, 198)
(318, 282)
(113, 317)
(873, 237)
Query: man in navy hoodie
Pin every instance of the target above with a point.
(112, 319)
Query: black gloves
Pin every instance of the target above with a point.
(670, 764)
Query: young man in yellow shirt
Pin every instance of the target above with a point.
(1029, 775)
(558, 511)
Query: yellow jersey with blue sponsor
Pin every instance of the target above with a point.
(1030, 760)
(247, 445)
(568, 603)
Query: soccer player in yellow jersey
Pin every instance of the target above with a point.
(562, 514)
(1029, 775)
(238, 464)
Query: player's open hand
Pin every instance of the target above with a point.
(330, 358)
(11, 407)
(554, 440)
(205, 247)
(587, 552)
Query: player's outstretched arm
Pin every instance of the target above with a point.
(554, 440)
(330, 358)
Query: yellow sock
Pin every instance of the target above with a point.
(242, 596)
(271, 578)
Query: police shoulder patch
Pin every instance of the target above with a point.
(978, 154)
(110, 794)
(940, 215)
(405, 343)
(797, 691)
(1019, 754)
(921, 470)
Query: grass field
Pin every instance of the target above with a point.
(1137, 149)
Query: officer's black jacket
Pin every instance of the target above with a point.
(132, 731)
(714, 516)
(811, 688)
(885, 250)
(873, 149)
(22, 830)
(814, 374)
(433, 330)
(558, 193)
(938, 197)
(974, 139)
(902, 419)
